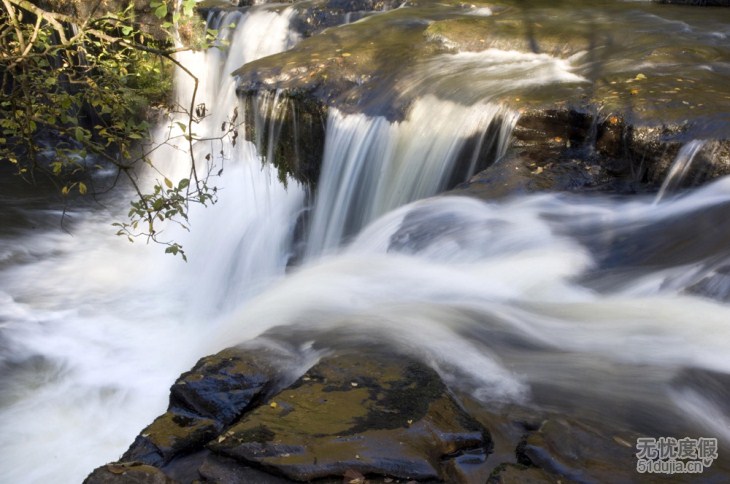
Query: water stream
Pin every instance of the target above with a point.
(585, 304)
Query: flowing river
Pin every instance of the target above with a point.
(611, 307)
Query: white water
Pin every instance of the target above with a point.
(492, 296)
(256, 214)
(95, 330)
(372, 166)
(501, 298)
(491, 74)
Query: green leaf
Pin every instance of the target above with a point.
(168, 183)
(161, 11)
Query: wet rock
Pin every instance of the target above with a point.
(461, 34)
(510, 31)
(701, 3)
(521, 474)
(202, 402)
(355, 413)
(711, 161)
(225, 470)
(378, 66)
(128, 473)
(575, 150)
(561, 150)
(356, 67)
(316, 16)
(580, 452)
(289, 131)
(558, 125)
(377, 415)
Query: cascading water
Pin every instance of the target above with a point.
(92, 326)
(554, 301)
(255, 217)
(372, 166)
(498, 297)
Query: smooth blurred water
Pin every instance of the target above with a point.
(587, 305)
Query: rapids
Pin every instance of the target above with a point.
(584, 304)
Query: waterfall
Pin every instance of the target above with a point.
(93, 330)
(372, 166)
(581, 304)
(250, 228)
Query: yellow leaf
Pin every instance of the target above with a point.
(273, 405)
(168, 183)
(64, 191)
(640, 77)
(82, 188)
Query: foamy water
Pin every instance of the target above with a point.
(580, 304)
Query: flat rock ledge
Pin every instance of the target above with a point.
(356, 416)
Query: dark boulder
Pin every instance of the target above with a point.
(520, 474)
(572, 149)
(288, 129)
(381, 414)
(202, 402)
(377, 414)
(128, 473)
(580, 452)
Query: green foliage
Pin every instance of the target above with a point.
(88, 85)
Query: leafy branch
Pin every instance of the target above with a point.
(88, 85)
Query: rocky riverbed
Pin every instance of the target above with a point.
(634, 83)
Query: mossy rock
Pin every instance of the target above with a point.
(378, 414)
(128, 473)
(202, 402)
